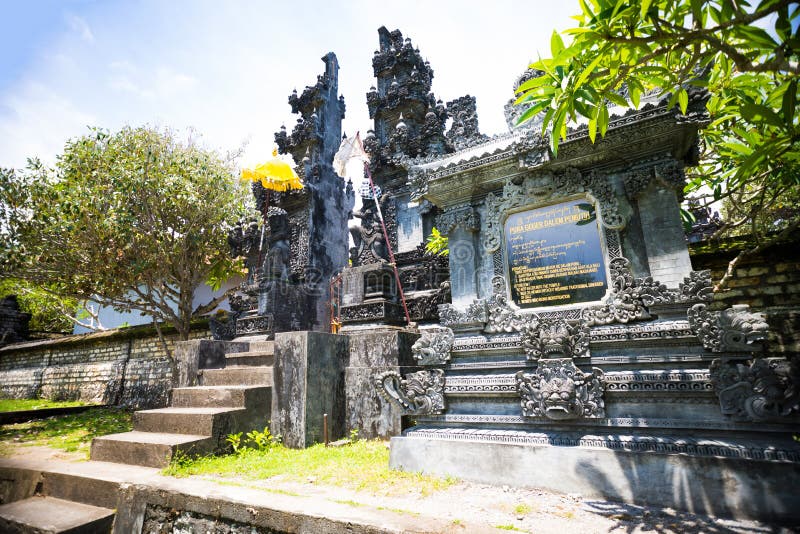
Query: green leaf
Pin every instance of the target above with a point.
(683, 100)
(790, 103)
(645, 7)
(592, 129)
(556, 44)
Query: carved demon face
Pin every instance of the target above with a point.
(559, 399)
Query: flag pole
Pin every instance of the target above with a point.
(386, 236)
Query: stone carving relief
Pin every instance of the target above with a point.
(463, 216)
(501, 316)
(554, 338)
(668, 172)
(464, 131)
(420, 393)
(538, 188)
(475, 314)
(735, 329)
(559, 390)
(434, 347)
(758, 390)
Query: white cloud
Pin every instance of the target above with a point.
(162, 83)
(80, 26)
(35, 122)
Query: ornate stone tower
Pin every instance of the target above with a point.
(409, 126)
(305, 241)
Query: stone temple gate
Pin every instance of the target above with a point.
(566, 341)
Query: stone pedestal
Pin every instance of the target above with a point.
(308, 381)
(371, 353)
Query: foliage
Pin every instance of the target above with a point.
(437, 243)
(18, 405)
(48, 311)
(622, 50)
(136, 220)
(361, 465)
(69, 432)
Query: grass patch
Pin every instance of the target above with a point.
(69, 432)
(18, 405)
(362, 465)
(508, 527)
(522, 509)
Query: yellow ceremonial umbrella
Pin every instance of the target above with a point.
(276, 174)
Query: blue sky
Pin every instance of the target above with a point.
(225, 69)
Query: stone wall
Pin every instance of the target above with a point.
(127, 367)
(768, 281)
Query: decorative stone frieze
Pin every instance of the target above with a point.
(735, 329)
(559, 390)
(762, 389)
(554, 338)
(474, 315)
(420, 393)
(463, 216)
(434, 346)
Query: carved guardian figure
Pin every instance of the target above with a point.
(759, 390)
(735, 329)
(420, 393)
(554, 338)
(434, 347)
(559, 390)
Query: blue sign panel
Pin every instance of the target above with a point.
(554, 255)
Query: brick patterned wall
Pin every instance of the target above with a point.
(768, 282)
(126, 367)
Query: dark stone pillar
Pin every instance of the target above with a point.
(373, 352)
(308, 381)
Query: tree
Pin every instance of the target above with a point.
(622, 49)
(135, 220)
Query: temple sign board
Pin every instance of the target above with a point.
(554, 255)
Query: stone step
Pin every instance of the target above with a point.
(149, 449)
(252, 358)
(237, 376)
(262, 346)
(251, 397)
(39, 514)
(82, 489)
(206, 421)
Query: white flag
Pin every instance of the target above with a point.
(349, 150)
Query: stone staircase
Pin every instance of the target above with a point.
(237, 398)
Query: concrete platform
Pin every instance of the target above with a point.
(723, 486)
(40, 514)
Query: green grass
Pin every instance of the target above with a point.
(68, 432)
(362, 465)
(508, 527)
(522, 509)
(18, 405)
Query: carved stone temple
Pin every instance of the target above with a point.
(581, 352)
(292, 258)
(409, 124)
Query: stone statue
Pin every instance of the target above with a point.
(276, 264)
(370, 243)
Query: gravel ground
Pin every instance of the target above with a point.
(497, 509)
